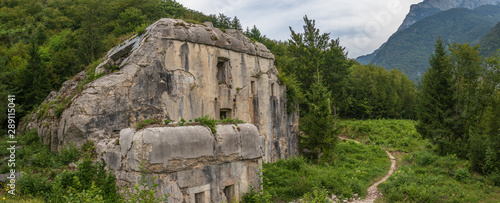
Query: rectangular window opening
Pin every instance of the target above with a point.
(222, 69)
(229, 193)
(199, 197)
(225, 113)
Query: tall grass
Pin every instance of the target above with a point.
(353, 170)
(423, 176)
(392, 134)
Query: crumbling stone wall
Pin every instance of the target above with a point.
(189, 161)
(177, 70)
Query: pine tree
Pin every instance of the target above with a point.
(436, 100)
(319, 124)
(235, 24)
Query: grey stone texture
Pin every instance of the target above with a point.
(189, 159)
(179, 70)
(171, 72)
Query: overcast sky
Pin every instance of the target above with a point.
(361, 25)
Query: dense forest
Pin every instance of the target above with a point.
(455, 108)
(44, 43)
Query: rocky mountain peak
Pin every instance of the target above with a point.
(431, 7)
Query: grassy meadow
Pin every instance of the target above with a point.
(421, 175)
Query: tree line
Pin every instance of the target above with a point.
(44, 43)
(457, 105)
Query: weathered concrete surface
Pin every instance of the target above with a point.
(176, 70)
(188, 160)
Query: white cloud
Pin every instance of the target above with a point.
(361, 25)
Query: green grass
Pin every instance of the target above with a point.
(354, 170)
(430, 178)
(392, 134)
(423, 176)
(47, 176)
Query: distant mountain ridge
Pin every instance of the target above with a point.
(490, 43)
(409, 49)
(431, 7)
(428, 8)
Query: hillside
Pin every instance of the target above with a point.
(490, 43)
(44, 43)
(409, 49)
(428, 8)
(431, 7)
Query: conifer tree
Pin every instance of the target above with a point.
(319, 124)
(436, 100)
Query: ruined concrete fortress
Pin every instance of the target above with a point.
(179, 70)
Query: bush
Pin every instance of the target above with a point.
(93, 194)
(43, 159)
(68, 154)
(462, 174)
(147, 122)
(495, 178)
(316, 196)
(208, 122)
(255, 196)
(34, 185)
(143, 192)
(423, 158)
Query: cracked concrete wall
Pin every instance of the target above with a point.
(188, 160)
(170, 72)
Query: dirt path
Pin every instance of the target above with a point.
(373, 192)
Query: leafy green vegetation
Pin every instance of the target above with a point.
(354, 168)
(206, 121)
(44, 43)
(358, 91)
(456, 92)
(319, 137)
(48, 177)
(144, 192)
(431, 178)
(392, 134)
(422, 175)
(147, 122)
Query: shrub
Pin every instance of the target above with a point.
(143, 192)
(462, 174)
(423, 158)
(91, 195)
(208, 122)
(69, 154)
(34, 185)
(229, 120)
(43, 159)
(147, 122)
(316, 196)
(166, 121)
(495, 178)
(182, 122)
(255, 196)
(88, 149)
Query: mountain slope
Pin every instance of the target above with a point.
(490, 43)
(431, 7)
(409, 49)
